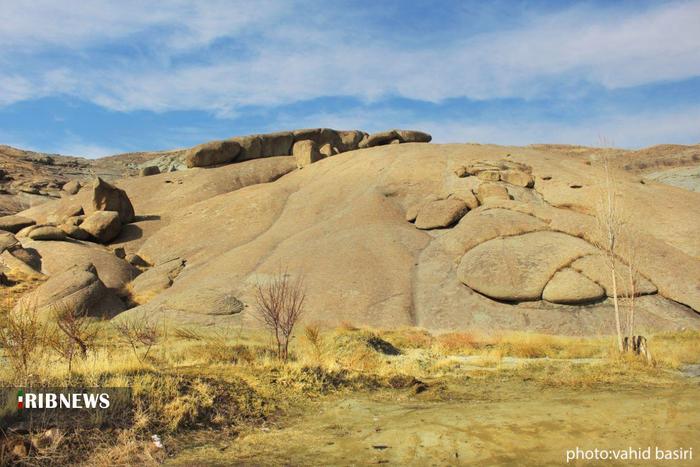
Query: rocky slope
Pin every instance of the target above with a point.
(440, 236)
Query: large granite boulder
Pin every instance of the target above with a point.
(488, 192)
(381, 138)
(106, 197)
(15, 223)
(103, 226)
(72, 187)
(7, 241)
(570, 287)
(251, 147)
(276, 144)
(57, 257)
(350, 140)
(441, 213)
(15, 268)
(213, 153)
(47, 232)
(414, 136)
(149, 170)
(306, 152)
(77, 290)
(517, 177)
(518, 268)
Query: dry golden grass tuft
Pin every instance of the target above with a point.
(203, 379)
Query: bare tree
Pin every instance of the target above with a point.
(22, 337)
(137, 333)
(610, 224)
(280, 304)
(618, 239)
(77, 334)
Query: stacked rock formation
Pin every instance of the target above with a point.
(307, 145)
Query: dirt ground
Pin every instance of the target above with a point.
(469, 423)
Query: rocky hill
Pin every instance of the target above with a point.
(386, 230)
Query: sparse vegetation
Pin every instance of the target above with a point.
(22, 335)
(137, 334)
(227, 382)
(75, 335)
(280, 304)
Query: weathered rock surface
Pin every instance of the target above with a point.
(596, 268)
(149, 170)
(103, 226)
(353, 205)
(106, 197)
(7, 241)
(489, 175)
(155, 280)
(28, 256)
(77, 290)
(72, 187)
(468, 197)
(16, 268)
(381, 138)
(15, 223)
(518, 268)
(349, 140)
(327, 150)
(74, 231)
(306, 152)
(47, 232)
(441, 213)
(570, 287)
(484, 224)
(413, 136)
(251, 147)
(57, 257)
(517, 177)
(492, 191)
(213, 153)
(276, 144)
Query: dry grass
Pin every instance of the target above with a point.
(200, 379)
(676, 349)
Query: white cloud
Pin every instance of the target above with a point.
(625, 130)
(290, 52)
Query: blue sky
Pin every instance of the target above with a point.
(106, 77)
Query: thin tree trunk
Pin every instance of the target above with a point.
(617, 308)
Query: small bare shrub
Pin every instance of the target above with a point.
(76, 334)
(280, 304)
(22, 338)
(137, 333)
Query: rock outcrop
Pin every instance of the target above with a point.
(516, 258)
(72, 187)
(15, 223)
(441, 213)
(306, 152)
(149, 170)
(7, 241)
(77, 290)
(102, 226)
(47, 232)
(106, 197)
(213, 153)
(518, 268)
(570, 287)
